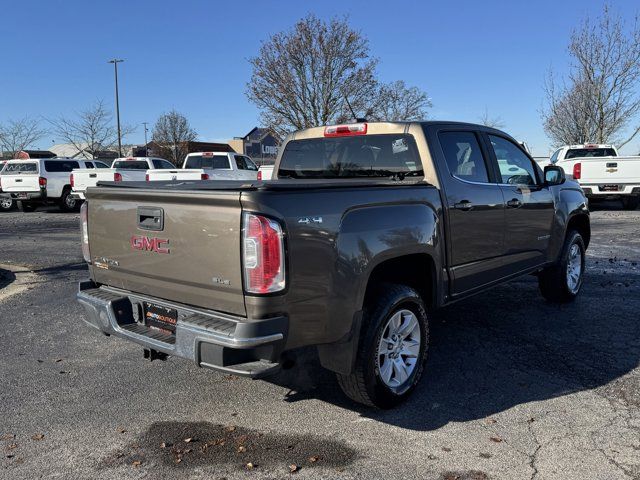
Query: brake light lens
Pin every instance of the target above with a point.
(71, 182)
(117, 177)
(259, 175)
(84, 229)
(263, 254)
(42, 182)
(345, 130)
(577, 171)
(204, 176)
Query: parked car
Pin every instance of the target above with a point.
(122, 170)
(42, 181)
(601, 172)
(210, 166)
(6, 202)
(368, 228)
(265, 172)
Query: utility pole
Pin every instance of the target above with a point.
(146, 149)
(115, 62)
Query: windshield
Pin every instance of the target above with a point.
(20, 168)
(131, 165)
(351, 157)
(590, 152)
(212, 162)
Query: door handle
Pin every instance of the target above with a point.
(514, 203)
(464, 205)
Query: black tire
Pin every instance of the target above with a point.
(364, 384)
(7, 204)
(630, 203)
(553, 281)
(68, 204)
(26, 206)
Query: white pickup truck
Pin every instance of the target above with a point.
(122, 170)
(43, 181)
(602, 174)
(209, 166)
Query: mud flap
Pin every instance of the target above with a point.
(340, 357)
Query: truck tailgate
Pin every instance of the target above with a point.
(178, 174)
(192, 254)
(83, 178)
(614, 170)
(20, 183)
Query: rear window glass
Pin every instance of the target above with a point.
(131, 165)
(101, 165)
(351, 157)
(590, 152)
(214, 162)
(162, 164)
(20, 168)
(60, 166)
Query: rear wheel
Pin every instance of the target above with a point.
(26, 206)
(68, 203)
(6, 204)
(392, 349)
(630, 203)
(562, 282)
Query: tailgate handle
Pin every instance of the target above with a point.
(150, 218)
(93, 175)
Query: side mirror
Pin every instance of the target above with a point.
(554, 175)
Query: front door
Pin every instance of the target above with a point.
(475, 210)
(529, 212)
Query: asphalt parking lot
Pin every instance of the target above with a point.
(515, 388)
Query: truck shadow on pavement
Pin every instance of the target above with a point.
(508, 347)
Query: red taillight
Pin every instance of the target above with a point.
(263, 255)
(71, 182)
(84, 229)
(345, 130)
(117, 177)
(42, 182)
(577, 171)
(204, 176)
(146, 177)
(259, 175)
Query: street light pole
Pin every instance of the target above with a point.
(146, 149)
(115, 62)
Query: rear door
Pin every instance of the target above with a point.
(475, 208)
(21, 176)
(529, 205)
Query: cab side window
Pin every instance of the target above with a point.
(464, 156)
(515, 167)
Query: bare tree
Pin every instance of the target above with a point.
(395, 102)
(170, 133)
(493, 122)
(601, 99)
(92, 132)
(16, 135)
(301, 77)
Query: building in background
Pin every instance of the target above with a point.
(82, 152)
(261, 144)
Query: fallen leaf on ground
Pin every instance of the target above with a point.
(230, 428)
(12, 446)
(188, 440)
(242, 449)
(446, 449)
(485, 455)
(293, 468)
(495, 439)
(136, 463)
(7, 436)
(122, 430)
(314, 459)
(250, 466)
(37, 436)
(491, 420)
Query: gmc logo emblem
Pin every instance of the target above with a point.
(149, 244)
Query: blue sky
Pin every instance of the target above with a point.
(192, 56)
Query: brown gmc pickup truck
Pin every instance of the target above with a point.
(364, 230)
